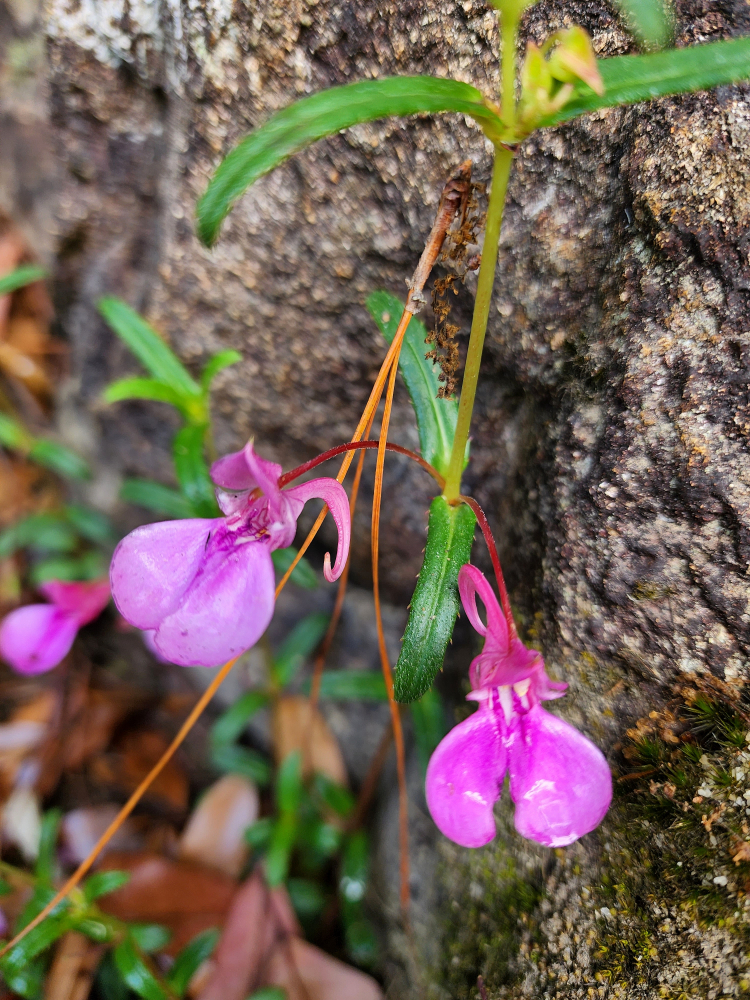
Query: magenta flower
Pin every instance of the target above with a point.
(205, 586)
(35, 638)
(559, 781)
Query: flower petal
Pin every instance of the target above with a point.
(471, 582)
(35, 638)
(85, 601)
(225, 610)
(154, 565)
(465, 777)
(335, 497)
(244, 470)
(561, 783)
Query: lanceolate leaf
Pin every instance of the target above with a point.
(21, 276)
(298, 645)
(648, 20)
(434, 606)
(153, 353)
(351, 685)
(191, 956)
(218, 363)
(143, 388)
(136, 973)
(303, 574)
(154, 496)
(628, 79)
(436, 418)
(302, 123)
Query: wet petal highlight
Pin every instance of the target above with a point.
(465, 777)
(561, 783)
(224, 612)
(154, 565)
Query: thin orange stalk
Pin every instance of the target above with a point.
(365, 421)
(398, 736)
(129, 806)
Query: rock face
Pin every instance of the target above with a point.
(611, 432)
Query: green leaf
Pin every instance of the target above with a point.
(110, 985)
(97, 930)
(23, 275)
(59, 459)
(5, 887)
(289, 782)
(436, 418)
(153, 353)
(151, 388)
(351, 685)
(13, 434)
(234, 759)
(41, 532)
(231, 724)
(259, 834)
(35, 942)
(302, 123)
(136, 974)
(216, 364)
(303, 574)
(434, 606)
(280, 847)
(89, 566)
(154, 496)
(308, 899)
(149, 937)
(428, 719)
(360, 937)
(335, 796)
(27, 982)
(269, 993)
(104, 882)
(90, 524)
(628, 79)
(192, 471)
(47, 453)
(298, 645)
(190, 958)
(44, 868)
(648, 20)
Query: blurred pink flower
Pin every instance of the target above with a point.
(35, 638)
(559, 781)
(204, 587)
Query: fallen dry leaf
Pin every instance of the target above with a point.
(741, 852)
(257, 918)
(138, 752)
(72, 971)
(215, 833)
(22, 821)
(185, 897)
(95, 721)
(307, 973)
(26, 729)
(81, 829)
(292, 731)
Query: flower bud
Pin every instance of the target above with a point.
(573, 59)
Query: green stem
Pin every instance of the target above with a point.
(500, 175)
(509, 20)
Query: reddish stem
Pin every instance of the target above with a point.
(487, 532)
(293, 474)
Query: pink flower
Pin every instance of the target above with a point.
(205, 586)
(35, 638)
(560, 782)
